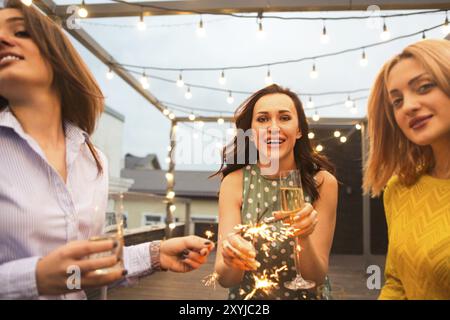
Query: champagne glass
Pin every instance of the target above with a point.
(291, 201)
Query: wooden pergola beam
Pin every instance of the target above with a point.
(156, 8)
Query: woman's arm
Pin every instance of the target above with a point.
(230, 201)
(317, 245)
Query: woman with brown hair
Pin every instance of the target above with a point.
(279, 140)
(53, 181)
(409, 130)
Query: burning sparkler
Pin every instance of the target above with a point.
(265, 282)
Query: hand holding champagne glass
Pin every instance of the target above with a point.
(291, 202)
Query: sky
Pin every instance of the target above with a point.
(171, 41)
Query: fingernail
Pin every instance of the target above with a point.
(124, 273)
(115, 244)
(203, 252)
(183, 257)
(208, 243)
(185, 252)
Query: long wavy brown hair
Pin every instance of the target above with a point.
(306, 159)
(390, 152)
(82, 101)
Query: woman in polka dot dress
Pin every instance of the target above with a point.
(273, 138)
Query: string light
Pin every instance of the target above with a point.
(172, 225)
(169, 148)
(220, 121)
(27, 2)
(166, 112)
(349, 102)
(363, 61)
(168, 160)
(171, 116)
(385, 35)
(144, 81)
(82, 11)
(141, 24)
(172, 208)
(358, 126)
(343, 139)
(354, 110)
(268, 80)
(169, 177)
(316, 116)
(180, 82)
(260, 33)
(222, 79)
(230, 98)
(188, 94)
(319, 148)
(337, 134)
(446, 26)
(201, 31)
(170, 195)
(311, 135)
(310, 104)
(424, 36)
(314, 74)
(110, 74)
(192, 117)
(324, 38)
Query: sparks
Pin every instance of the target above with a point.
(211, 280)
(209, 234)
(265, 282)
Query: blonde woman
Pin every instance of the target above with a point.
(409, 129)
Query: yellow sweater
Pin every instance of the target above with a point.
(418, 259)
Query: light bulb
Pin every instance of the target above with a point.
(168, 159)
(358, 126)
(27, 2)
(171, 116)
(192, 117)
(201, 31)
(220, 121)
(316, 117)
(260, 34)
(363, 61)
(169, 177)
(188, 94)
(172, 225)
(268, 80)
(144, 81)
(222, 79)
(82, 11)
(337, 134)
(141, 24)
(310, 104)
(311, 135)
(314, 74)
(349, 102)
(230, 98)
(319, 148)
(385, 35)
(180, 82)
(324, 38)
(446, 27)
(169, 148)
(172, 208)
(166, 112)
(110, 74)
(170, 195)
(343, 139)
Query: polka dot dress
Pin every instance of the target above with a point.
(260, 199)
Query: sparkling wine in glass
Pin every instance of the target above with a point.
(291, 201)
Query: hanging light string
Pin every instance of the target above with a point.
(253, 16)
(199, 86)
(282, 62)
(189, 110)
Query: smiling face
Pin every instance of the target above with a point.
(21, 64)
(275, 121)
(421, 109)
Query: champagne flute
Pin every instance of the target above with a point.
(291, 201)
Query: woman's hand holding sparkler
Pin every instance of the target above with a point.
(302, 222)
(239, 253)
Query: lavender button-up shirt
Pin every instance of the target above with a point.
(39, 212)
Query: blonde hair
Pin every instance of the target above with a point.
(390, 152)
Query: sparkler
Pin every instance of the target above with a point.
(265, 282)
